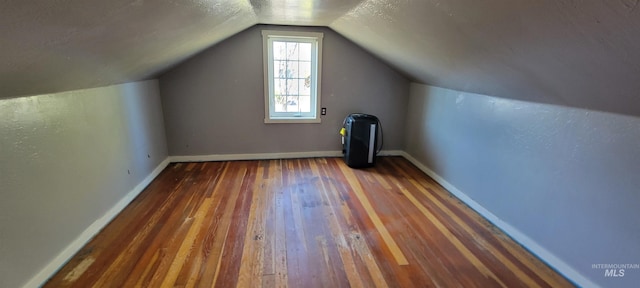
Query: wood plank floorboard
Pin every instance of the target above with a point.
(301, 223)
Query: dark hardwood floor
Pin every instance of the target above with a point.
(300, 223)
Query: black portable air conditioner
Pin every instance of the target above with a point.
(360, 140)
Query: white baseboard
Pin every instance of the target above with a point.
(52, 267)
(267, 156)
(391, 153)
(528, 243)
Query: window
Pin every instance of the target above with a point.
(292, 68)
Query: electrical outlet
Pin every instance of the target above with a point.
(323, 111)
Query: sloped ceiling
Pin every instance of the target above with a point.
(52, 46)
(568, 52)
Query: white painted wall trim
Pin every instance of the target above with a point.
(391, 153)
(522, 239)
(52, 267)
(266, 156)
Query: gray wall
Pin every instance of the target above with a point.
(214, 102)
(63, 164)
(566, 178)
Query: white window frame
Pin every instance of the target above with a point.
(315, 38)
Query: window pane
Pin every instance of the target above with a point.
(292, 51)
(280, 93)
(280, 103)
(305, 69)
(292, 104)
(305, 88)
(279, 68)
(293, 68)
(279, 50)
(292, 87)
(305, 51)
(280, 107)
(284, 90)
(304, 103)
(277, 87)
(289, 73)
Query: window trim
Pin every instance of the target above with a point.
(267, 57)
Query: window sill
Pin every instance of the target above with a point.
(292, 120)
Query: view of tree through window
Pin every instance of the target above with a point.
(292, 70)
(292, 76)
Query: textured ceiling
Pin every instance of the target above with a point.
(576, 53)
(52, 46)
(568, 52)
